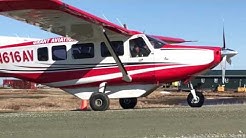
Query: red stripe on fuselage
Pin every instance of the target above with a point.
(153, 77)
(57, 76)
(163, 76)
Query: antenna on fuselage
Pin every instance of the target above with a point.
(119, 22)
(105, 17)
(123, 25)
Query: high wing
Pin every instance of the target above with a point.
(65, 20)
(60, 18)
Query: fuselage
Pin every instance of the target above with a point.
(80, 67)
(165, 64)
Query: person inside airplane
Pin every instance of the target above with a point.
(137, 52)
(139, 48)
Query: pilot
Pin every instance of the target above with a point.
(137, 52)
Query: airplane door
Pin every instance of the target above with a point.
(141, 58)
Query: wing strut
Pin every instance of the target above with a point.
(125, 75)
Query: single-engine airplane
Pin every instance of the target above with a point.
(97, 60)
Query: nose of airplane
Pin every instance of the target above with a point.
(227, 54)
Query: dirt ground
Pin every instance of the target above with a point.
(56, 100)
(218, 121)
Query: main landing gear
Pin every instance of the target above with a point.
(195, 98)
(128, 103)
(99, 101)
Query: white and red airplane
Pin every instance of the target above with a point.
(96, 59)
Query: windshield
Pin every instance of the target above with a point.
(156, 43)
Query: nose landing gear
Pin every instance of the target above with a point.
(195, 98)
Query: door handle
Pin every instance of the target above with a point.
(141, 59)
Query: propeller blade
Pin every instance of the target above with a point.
(224, 39)
(228, 59)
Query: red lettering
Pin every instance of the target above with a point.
(25, 57)
(5, 57)
(1, 60)
(17, 56)
(30, 54)
(12, 57)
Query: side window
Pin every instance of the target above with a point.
(117, 46)
(80, 51)
(43, 54)
(59, 52)
(138, 48)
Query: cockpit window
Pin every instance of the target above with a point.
(138, 48)
(156, 43)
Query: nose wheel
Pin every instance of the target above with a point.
(195, 99)
(195, 102)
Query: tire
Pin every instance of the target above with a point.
(128, 103)
(99, 101)
(193, 103)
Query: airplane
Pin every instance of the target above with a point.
(97, 60)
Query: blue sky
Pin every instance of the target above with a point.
(200, 20)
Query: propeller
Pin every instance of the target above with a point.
(226, 54)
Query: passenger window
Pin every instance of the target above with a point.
(138, 48)
(43, 54)
(80, 51)
(59, 52)
(117, 46)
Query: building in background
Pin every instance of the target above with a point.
(212, 79)
(18, 84)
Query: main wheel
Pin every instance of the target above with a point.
(128, 103)
(196, 103)
(99, 101)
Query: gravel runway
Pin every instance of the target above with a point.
(208, 121)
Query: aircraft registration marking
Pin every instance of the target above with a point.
(16, 56)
